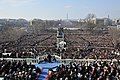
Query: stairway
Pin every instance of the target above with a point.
(45, 66)
(44, 74)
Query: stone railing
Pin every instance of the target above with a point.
(28, 60)
(64, 61)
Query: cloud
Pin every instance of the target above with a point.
(16, 2)
(11, 1)
(67, 6)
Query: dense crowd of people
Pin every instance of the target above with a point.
(80, 44)
(13, 70)
(93, 71)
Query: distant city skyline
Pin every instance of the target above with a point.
(58, 9)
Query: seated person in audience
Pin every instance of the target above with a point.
(54, 59)
(45, 59)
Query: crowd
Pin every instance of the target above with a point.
(88, 45)
(13, 70)
(80, 44)
(93, 71)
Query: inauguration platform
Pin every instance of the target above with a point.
(45, 66)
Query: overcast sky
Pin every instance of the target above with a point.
(57, 9)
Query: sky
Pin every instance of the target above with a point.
(58, 9)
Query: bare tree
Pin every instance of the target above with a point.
(90, 16)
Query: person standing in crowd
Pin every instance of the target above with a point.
(49, 58)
